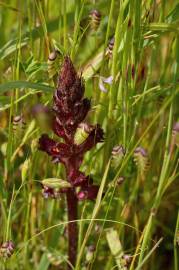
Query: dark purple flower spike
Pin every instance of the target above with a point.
(70, 110)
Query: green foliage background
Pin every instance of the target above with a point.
(139, 108)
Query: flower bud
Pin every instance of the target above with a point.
(19, 124)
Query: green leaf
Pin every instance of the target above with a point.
(23, 84)
(11, 46)
(173, 16)
(44, 262)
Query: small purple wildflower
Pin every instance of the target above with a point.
(103, 81)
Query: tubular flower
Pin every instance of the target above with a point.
(70, 109)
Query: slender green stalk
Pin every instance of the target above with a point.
(175, 243)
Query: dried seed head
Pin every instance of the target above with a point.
(118, 149)
(95, 19)
(118, 153)
(140, 150)
(110, 47)
(19, 123)
(7, 249)
(175, 137)
(141, 160)
(54, 63)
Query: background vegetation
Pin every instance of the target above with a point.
(133, 86)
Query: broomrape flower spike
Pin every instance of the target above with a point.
(70, 109)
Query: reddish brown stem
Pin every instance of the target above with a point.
(72, 205)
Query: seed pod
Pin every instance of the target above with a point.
(54, 63)
(118, 153)
(95, 19)
(7, 249)
(141, 160)
(110, 47)
(18, 123)
(82, 133)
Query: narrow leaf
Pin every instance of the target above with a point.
(23, 84)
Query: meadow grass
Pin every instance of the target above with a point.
(133, 85)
